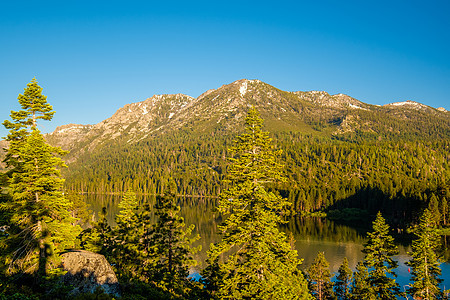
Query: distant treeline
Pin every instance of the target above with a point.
(397, 177)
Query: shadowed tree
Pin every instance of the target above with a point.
(433, 207)
(98, 237)
(172, 251)
(343, 281)
(361, 289)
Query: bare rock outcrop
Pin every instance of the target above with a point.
(87, 270)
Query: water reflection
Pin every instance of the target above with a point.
(311, 234)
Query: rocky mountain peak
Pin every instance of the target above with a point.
(68, 136)
(71, 128)
(407, 103)
(140, 118)
(338, 101)
(411, 105)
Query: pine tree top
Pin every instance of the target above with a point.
(254, 157)
(34, 106)
(380, 242)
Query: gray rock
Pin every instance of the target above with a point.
(87, 270)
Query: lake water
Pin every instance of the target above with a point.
(311, 235)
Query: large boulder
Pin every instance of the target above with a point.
(87, 270)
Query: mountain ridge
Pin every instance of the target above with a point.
(223, 109)
(217, 108)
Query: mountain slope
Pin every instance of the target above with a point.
(223, 109)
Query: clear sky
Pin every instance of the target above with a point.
(93, 57)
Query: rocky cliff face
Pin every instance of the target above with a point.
(68, 136)
(138, 120)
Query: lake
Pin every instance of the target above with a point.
(311, 234)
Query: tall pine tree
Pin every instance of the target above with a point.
(258, 262)
(379, 250)
(433, 207)
(126, 237)
(343, 281)
(319, 278)
(361, 288)
(34, 107)
(40, 222)
(98, 238)
(172, 251)
(424, 262)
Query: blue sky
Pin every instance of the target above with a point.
(93, 57)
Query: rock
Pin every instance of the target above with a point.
(87, 270)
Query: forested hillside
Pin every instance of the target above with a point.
(322, 173)
(338, 152)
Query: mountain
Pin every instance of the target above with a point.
(223, 110)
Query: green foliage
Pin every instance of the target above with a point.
(40, 224)
(139, 290)
(424, 262)
(433, 207)
(258, 262)
(159, 255)
(97, 238)
(343, 281)
(319, 278)
(361, 288)
(19, 296)
(80, 210)
(98, 294)
(322, 174)
(34, 106)
(172, 252)
(379, 250)
(125, 252)
(212, 274)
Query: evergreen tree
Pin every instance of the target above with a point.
(98, 238)
(433, 207)
(212, 274)
(171, 251)
(258, 262)
(343, 281)
(379, 250)
(41, 225)
(424, 262)
(80, 210)
(126, 237)
(147, 257)
(319, 278)
(361, 289)
(444, 210)
(34, 107)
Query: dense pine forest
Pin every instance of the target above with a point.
(399, 177)
(255, 177)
